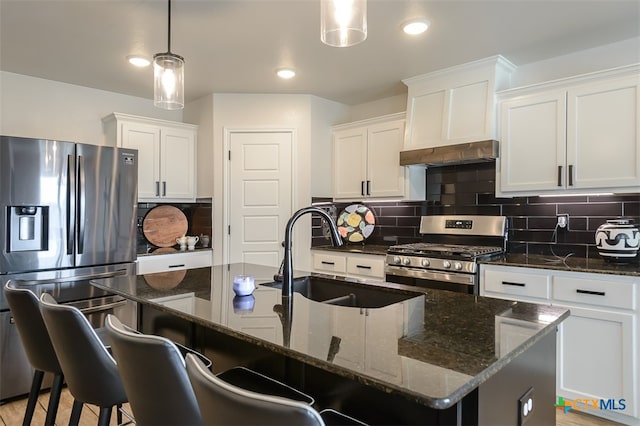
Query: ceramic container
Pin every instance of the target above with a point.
(618, 240)
(243, 285)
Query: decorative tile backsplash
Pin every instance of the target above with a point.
(198, 217)
(470, 189)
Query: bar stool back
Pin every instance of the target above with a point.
(224, 404)
(91, 372)
(37, 345)
(154, 376)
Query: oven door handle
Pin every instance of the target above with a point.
(102, 308)
(75, 278)
(466, 279)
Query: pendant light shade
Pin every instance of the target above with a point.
(168, 81)
(168, 76)
(343, 23)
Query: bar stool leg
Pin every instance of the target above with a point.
(74, 420)
(104, 417)
(119, 414)
(33, 397)
(54, 399)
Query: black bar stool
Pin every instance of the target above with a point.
(90, 371)
(223, 404)
(37, 345)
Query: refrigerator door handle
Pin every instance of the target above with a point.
(81, 201)
(71, 184)
(83, 277)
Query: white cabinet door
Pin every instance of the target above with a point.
(385, 176)
(146, 139)
(603, 134)
(178, 163)
(596, 357)
(366, 159)
(166, 155)
(532, 137)
(365, 266)
(578, 135)
(350, 163)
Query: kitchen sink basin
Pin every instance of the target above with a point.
(345, 293)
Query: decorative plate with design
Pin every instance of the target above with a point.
(356, 223)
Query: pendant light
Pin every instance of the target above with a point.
(168, 76)
(343, 23)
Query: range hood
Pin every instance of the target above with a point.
(472, 152)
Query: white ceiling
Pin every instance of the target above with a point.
(234, 46)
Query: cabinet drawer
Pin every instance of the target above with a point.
(595, 291)
(323, 262)
(370, 266)
(174, 262)
(534, 284)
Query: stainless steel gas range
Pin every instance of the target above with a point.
(448, 256)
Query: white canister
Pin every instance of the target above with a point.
(618, 240)
(243, 285)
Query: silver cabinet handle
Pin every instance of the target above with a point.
(570, 174)
(513, 284)
(591, 292)
(559, 175)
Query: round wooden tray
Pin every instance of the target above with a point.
(163, 224)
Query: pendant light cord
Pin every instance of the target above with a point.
(169, 29)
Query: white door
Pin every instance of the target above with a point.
(349, 163)
(260, 195)
(178, 159)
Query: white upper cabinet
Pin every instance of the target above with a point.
(166, 153)
(455, 105)
(575, 135)
(366, 159)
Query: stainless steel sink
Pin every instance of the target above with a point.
(346, 293)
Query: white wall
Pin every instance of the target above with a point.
(38, 108)
(200, 112)
(324, 114)
(612, 55)
(380, 107)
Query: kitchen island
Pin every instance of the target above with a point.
(435, 357)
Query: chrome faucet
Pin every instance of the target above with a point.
(287, 282)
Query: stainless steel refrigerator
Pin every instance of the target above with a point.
(68, 213)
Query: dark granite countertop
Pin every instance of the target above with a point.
(433, 348)
(378, 249)
(574, 264)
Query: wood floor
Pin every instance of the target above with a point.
(11, 414)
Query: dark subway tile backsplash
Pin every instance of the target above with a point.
(470, 190)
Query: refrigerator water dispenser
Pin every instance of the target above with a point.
(28, 228)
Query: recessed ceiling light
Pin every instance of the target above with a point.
(416, 26)
(138, 61)
(285, 73)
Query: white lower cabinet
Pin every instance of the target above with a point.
(353, 265)
(598, 345)
(596, 357)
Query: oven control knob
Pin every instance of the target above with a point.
(425, 262)
(457, 266)
(446, 264)
(396, 260)
(406, 261)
